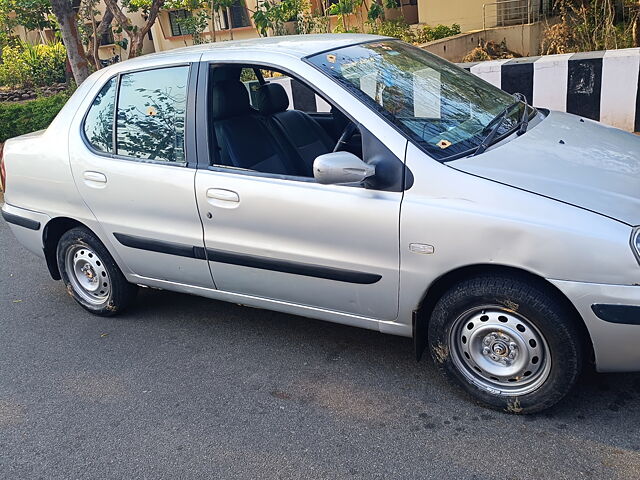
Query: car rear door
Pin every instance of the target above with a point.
(136, 173)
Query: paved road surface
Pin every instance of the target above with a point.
(184, 387)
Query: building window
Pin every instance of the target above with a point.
(239, 16)
(177, 28)
(106, 38)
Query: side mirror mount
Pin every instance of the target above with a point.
(340, 168)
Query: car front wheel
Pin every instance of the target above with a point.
(90, 274)
(509, 342)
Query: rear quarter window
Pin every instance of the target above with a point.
(98, 124)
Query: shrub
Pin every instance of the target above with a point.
(32, 65)
(20, 118)
(398, 28)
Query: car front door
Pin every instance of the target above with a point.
(293, 240)
(138, 180)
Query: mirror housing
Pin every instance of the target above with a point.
(340, 168)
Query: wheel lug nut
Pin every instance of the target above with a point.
(486, 350)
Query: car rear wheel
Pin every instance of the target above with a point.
(509, 342)
(90, 274)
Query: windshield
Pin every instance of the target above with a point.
(443, 108)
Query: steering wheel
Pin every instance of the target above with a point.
(347, 133)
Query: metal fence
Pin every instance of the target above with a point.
(514, 12)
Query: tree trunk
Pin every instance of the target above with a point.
(636, 27)
(66, 17)
(213, 23)
(230, 23)
(136, 35)
(92, 46)
(94, 41)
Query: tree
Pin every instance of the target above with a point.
(636, 26)
(65, 12)
(30, 14)
(149, 9)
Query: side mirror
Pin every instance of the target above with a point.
(341, 167)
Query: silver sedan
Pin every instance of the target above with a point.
(354, 179)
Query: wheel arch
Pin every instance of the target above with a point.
(422, 314)
(53, 230)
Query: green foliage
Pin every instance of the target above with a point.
(31, 14)
(375, 12)
(33, 65)
(398, 28)
(20, 118)
(195, 24)
(308, 22)
(271, 15)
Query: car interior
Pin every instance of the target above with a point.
(257, 128)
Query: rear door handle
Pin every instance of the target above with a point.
(95, 177)
(223, 194)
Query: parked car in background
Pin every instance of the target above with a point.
(354, 179)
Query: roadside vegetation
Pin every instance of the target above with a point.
(590, 25)
(18, 118)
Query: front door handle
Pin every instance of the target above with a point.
(223, 194)
(96, 177)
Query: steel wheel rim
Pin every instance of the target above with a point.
(87, 274)
(500, 351)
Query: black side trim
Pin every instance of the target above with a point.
(624, 314)
(251, 261)
(160, 246)
(21, 221)
(294, 268)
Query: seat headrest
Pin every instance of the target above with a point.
(229, 98)
(271, 98)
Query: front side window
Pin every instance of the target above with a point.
(98, 125)
(151, 114)
(444, 109)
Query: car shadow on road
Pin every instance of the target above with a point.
(385, 365)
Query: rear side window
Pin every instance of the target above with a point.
(98, 126)
(151, 114)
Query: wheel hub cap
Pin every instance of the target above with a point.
(500, 351)
(87, 274)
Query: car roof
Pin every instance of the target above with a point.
(293, 45)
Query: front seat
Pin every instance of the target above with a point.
(243, 140)
(302, 132)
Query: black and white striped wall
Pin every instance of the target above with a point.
(603, 86)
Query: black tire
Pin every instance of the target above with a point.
(101, 272)
(519, 299)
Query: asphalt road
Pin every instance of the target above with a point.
(184, 387)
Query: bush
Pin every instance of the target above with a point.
(398, 28)
(33, 65)
(20, 118)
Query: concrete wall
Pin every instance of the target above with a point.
(466, 13)
(521, 39)
(603, 86)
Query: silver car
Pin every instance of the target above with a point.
(354, 179)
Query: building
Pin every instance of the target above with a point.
(168, 32)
